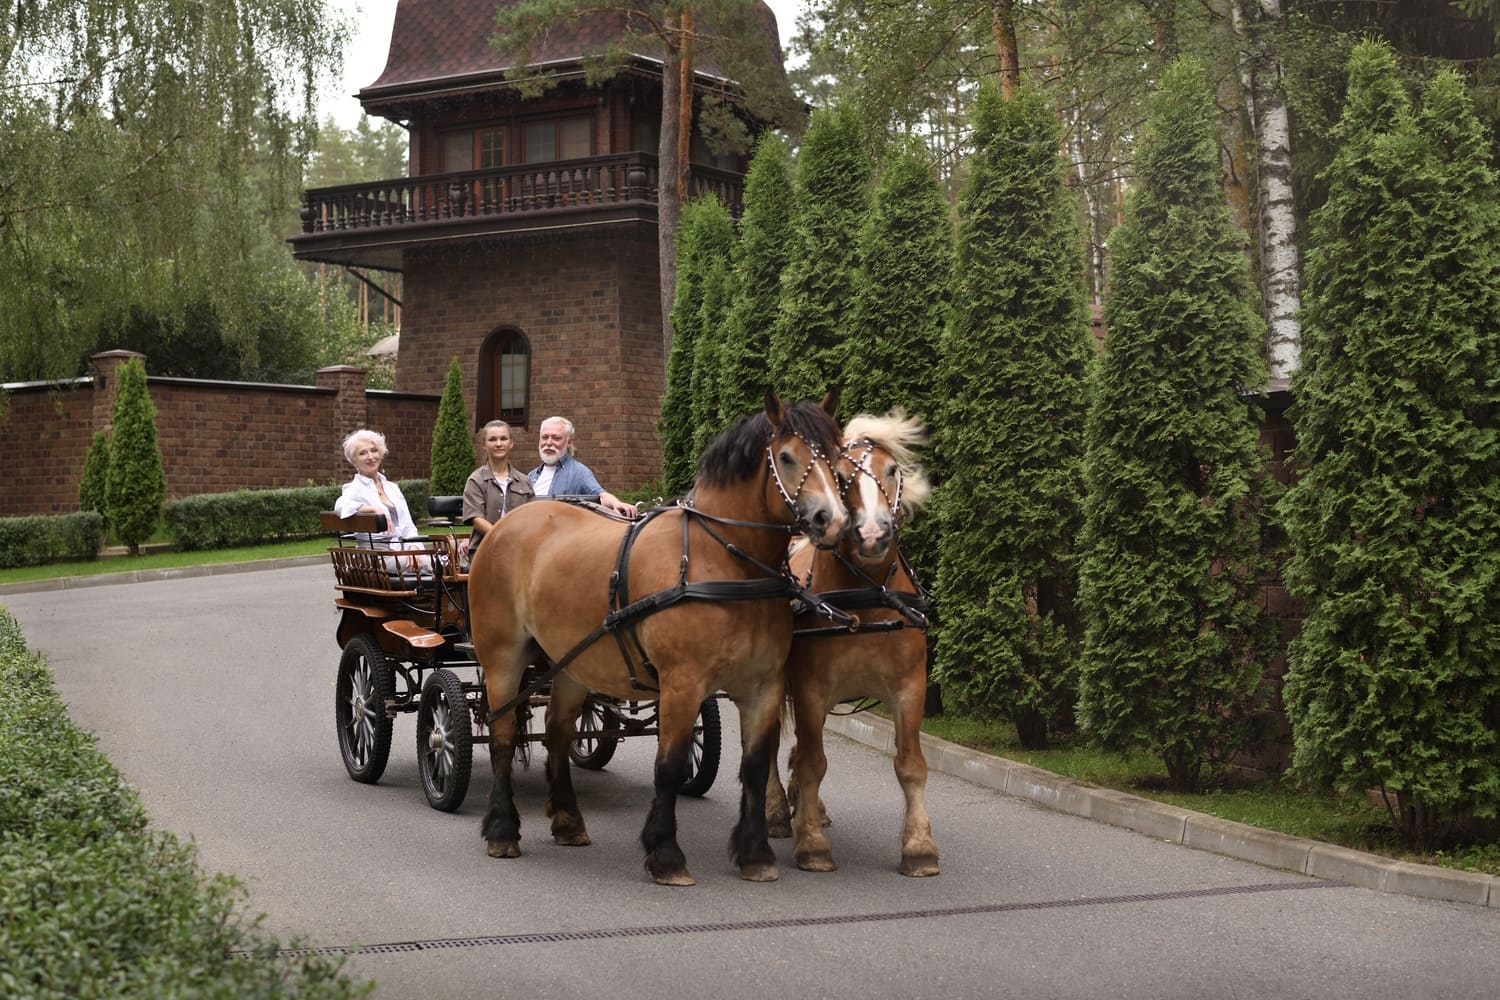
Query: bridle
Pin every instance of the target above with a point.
(862, 468)
(790, 497)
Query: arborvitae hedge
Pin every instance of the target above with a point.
(1394, 681)
(1174, 642)
(759, 258)
(817, 289)
(716, 252)
(452, 442)
(92, 485)
(135, 485)
(699, 239)
(1011, 441)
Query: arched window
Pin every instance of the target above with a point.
(504, 378)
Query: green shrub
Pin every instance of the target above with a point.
(39, 540)
(136, 484)
(452, 456)
(249, 517)
(95, 903)
(91, 486)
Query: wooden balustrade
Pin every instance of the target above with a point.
(593, 182)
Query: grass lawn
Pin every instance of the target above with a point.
(165, 560)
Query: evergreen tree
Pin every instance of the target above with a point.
(1394, 681)
(91, 486)
(905, 292)
(135, 485)
(1014, 360)
(452, 445)
(817, 289)
(1174, 642)
(759, 258)
(708, 352)
(707, 235)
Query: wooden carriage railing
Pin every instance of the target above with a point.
(592, 182)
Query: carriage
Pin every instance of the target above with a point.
(404, 634)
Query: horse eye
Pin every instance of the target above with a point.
(788, 458)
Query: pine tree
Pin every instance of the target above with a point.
(1014, 361)
(92, 485)
(452, 456)
(904, 296)
(135, 485)
(1174, 642)
(707, 235)
(760, 257)
(1394, 680)
(817, 289)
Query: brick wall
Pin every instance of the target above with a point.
(214, 436)
(588, 305)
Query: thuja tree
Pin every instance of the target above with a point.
(708, 352)
(759, 258)
(706, 234)
(135, 484)
(1014, 359)
(831, 200)
(1174, 643)
(452, 457)
(91, 486)
(1394, 681)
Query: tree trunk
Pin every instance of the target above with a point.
(669, 204)
(1280, 259)
(685, 107)
(1230, 91)
(1004, 26)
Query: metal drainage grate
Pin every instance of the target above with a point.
(601, 934)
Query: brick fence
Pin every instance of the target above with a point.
(214, 436)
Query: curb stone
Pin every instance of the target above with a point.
(1180, 826)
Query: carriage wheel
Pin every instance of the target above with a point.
(445, 743)
(703, 760)
(364, 684)
(597, 738)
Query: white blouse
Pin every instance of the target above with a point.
(360, 492)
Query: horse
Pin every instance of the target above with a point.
(555, 569)
(884, 656)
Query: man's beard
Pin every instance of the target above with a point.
(552, 458)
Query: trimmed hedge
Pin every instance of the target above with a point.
(95, 903)
(43, 539)
(249, 517)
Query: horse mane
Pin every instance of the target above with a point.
(900, 435)
(739, 452)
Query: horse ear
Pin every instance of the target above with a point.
(775, 411)
(831, 403)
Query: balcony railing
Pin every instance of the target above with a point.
(591, 183)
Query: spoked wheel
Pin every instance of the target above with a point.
(703, 759)
(445, 745)
(597, 737)
(364, 684)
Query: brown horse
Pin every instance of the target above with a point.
(885, 657)
(686, 601)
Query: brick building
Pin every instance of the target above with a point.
(526, 231)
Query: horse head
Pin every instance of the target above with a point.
(803, 447)
(884, 485)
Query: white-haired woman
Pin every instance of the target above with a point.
(371, 492)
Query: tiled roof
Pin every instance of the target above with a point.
(435, 40)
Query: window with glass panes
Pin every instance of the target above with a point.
(560, 139)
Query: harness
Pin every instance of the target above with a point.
(621, 619)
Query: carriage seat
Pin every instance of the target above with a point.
(445, 511)
(362, 567)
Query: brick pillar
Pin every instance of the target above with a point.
(106, 383)
(349, 410)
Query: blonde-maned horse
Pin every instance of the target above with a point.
(688, 600)
(885, 657)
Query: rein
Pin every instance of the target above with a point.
(774, 582)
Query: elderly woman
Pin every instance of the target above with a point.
(371, 492)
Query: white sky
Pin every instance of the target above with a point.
(365, 60)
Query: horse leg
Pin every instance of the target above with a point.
(919, 853)
(778, 808)
(664, 858)
(562, 722)
(791, 793)
(811, 846)
(502, 823)
(760, 718)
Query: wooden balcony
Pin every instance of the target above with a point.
(372, 224)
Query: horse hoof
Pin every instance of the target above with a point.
(779, 831)
(822, 861)
(674, 878)
(760, 872)
(579, 838)
(919, 867)
(503, 848)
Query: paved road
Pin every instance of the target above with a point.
(214, 697)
